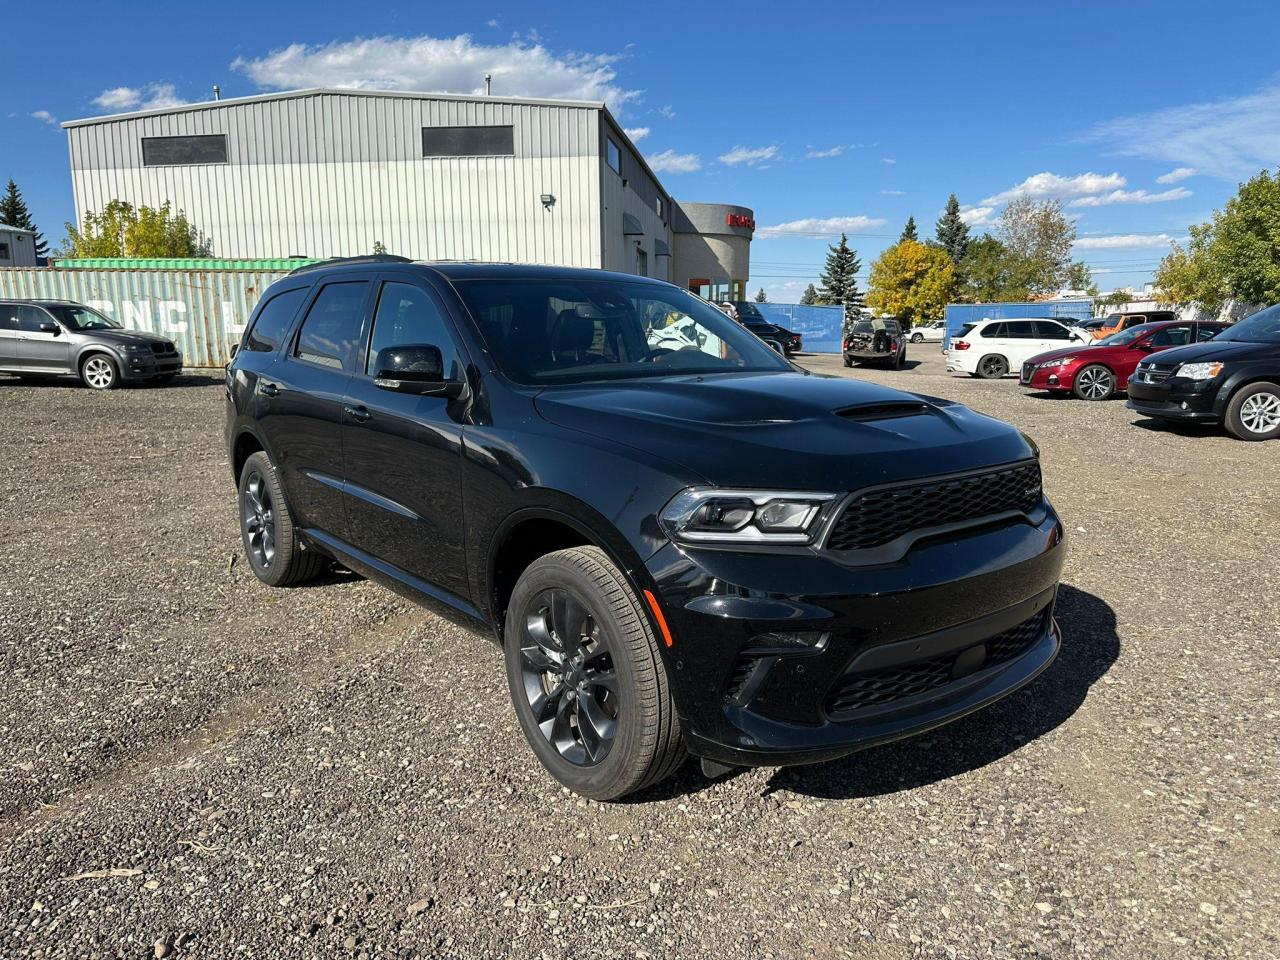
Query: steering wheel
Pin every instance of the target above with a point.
(654, 353)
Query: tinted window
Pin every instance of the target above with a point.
(408, 315)
(965, 328)
(167, 151)
(30, 318)
(468, 141)
(994, 330)
(1207, 332)
(273, 321)
(331, 330)
(1047, 330)
(1020, 330)
(614, 156)
(1171, 337)
(1261, 327)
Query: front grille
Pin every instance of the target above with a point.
(877, 517)
(1153, 372)
(163, 349)
(859, 691)
(1027, 370)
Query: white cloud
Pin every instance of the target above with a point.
(492, 23)
(154, 96)
(667, 111)
(820, 226)
(822, 154)
(978, 216)
(1121, 240)
(1131, 196)
(1047, 184)
(46, 117)
(636, 133)
(889, 160)
(1232, 138)
(748, 155)
(1176, 175)
(668, 161)
(893, 193)
(520, 68)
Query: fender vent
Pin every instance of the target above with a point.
(884, 411)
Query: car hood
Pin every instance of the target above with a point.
(786, 430)
(124, 336)
(1077, 350)
(1216, 350)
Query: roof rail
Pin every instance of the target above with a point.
(343, 261)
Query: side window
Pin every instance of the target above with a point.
(1205, 332)
(30, 318)
(331, 330)
(1171, 337)
(993, 331)
(1048, 330)
(1020, 330)
(408, 315)
(613, 155)
(273, 321)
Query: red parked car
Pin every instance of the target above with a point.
(1097, 371)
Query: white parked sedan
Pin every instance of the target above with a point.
(995, 348)
(929, 333)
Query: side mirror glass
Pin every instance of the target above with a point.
(414, 368)
(234, 348)
(48, 326)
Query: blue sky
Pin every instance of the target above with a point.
(1141, 116)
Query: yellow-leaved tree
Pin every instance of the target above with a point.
(912, 282)
(121, 230)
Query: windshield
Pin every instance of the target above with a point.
(572, 331)
(82, 318)
(1262, 327)
(749, 311)
(1126, 336)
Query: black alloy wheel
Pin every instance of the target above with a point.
(992, 367)
(276, 554)
(258, 516)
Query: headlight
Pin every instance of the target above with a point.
(138, 347)
(1060, 362)
(705, 515)
(1198, 371)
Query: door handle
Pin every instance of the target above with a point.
(268, 389)
(358, 414)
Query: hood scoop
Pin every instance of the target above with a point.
(888, 410)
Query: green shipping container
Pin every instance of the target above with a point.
(179, 263)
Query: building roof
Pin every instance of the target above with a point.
(10, 229)
(330, 92)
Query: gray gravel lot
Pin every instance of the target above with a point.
(192, 764)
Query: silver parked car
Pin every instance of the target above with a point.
(40, 337)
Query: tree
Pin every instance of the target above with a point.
(912, 282)
(122, 231)
(1038, 238)
(909, 231)
(810, 295)
(1117, 298)
(760, 297)
(14, 212)
(1080, 278)
(840, 278)
(1235, 256)
(952, 232)
(987, 274)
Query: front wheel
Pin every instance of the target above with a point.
(1094, 382)
(992, 367)
(586, 680)
(99, 372)
(1254, 412)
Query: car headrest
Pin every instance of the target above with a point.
(572, 333)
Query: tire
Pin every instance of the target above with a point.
(1094, 382)
(848, 362)
(1253, 413)
(900, 360)
(992, 367)
(99, 372)
(271, 544)
(917, 338)
(634, 740)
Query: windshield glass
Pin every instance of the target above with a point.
(1125, 336)
(1262, 327)
(82, 318)
(572, 331)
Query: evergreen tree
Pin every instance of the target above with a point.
(953, 232)
(14, 212)
(909, 231)
(760, 297)
(810, 295)
(840, 278)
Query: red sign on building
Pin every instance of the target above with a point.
(740, 220)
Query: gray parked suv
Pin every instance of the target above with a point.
(62, 337)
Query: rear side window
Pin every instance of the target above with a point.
(1048, 330)
(331, 331)
(273, 321)
(994, 331)
(1020, 330)
(964, 329)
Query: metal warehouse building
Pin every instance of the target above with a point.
(429, 176)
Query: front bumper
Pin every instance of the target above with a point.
(1176, 399)
(1049, 378)
(148, 366)
(782, 659)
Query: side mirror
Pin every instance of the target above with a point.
(1145, 346)
(48, 326)
(234, 348)
(414, 368)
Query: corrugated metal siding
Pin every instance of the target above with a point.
(331, 174)
(203, 311)
(632, 193)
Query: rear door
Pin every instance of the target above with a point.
(1020, 342)
(41, 350)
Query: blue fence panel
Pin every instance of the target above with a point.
(820, 326)
(958, 314)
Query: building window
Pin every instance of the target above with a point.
(4, 252)
(614, 156)
(642, 262)
(657, 207)
(497, 141)
(175, 151)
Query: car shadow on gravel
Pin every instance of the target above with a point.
(1090, 646)
(1156, 425)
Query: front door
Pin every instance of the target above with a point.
(40, 349)
(403, 453)
(8, 336)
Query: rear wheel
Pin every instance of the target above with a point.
(992, 367)
(917, 338)
(586, 679)
(900, 360)
(99, 372)
(1094, 382)
(1254, 412)
(271, 543)
(848, 362)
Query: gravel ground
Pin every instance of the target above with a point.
(192, 764)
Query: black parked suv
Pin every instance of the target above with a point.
(1233, 379)
(698, 549)
(755, 321)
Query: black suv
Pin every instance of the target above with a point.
(1233, 379)
(876, 341)
(697, 549)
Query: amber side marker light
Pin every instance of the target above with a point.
(657, 613)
